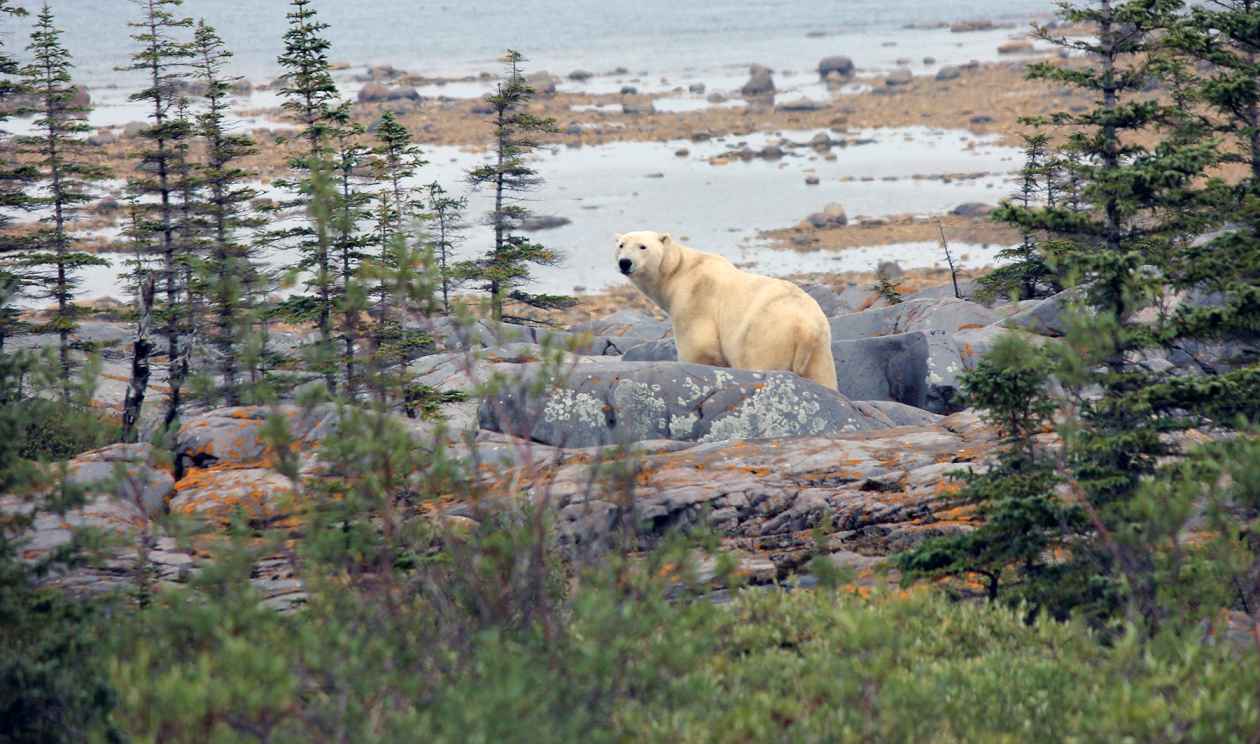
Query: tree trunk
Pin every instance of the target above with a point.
(141, 349)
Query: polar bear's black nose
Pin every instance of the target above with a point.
(625, 265)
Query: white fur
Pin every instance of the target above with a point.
(726, 317)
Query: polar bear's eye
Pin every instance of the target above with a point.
(643, 247)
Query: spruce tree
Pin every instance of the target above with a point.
(1022, 520)
(160, 57)
(395, 161)
(228, 273)
(350, 242)
(506, 268)
(15, 180)
(50, 263)
(311, 102)
(447, 216)
(1126, 237)
(1024, 273)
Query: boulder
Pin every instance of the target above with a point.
(919, 369)
(1048, 317)
(135, 474)
(974, 343)
(973, 209)
(822, 141)
(219, 493)
(826, 298)
(543, 83)
(899, 77)
(801, 104)
(833, 215)
(696, 88)
(620, 402)
(949, 72)
(760, 82)
(537, 222)
(637, 106)
(234, 436)
(379, 92)
(660, 350)
(949, 315)
(628, 323)
(837, 65)
(124, 486)
(1016, 46)
(962, 27)
(581, 76)
(80, 97)
(102, 138)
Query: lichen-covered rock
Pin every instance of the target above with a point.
(235, 435)
(617, 402)
(878, 491)
(920, 369)
(950, 315)
(220, 492)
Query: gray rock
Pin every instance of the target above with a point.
(760, 82)
(235, 435)
(827, 299)
(662, 350)
(833, 215)
(537, 222)
(972, 209)
(623, 402)
(630, 323)
(949, 315)
(130, 473)
(974, 343)
(581, 76)
(948, 72)
(899, 77)
(801, 105)
(919, 369)
(379, 92)
(543, 83)
(1048, 317)
(838, 65)
(897, 414)
(637, 106)
(697, 88)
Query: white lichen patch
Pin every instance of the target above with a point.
(567, 406)
(638, 405)
(683, 427)
(778, 409)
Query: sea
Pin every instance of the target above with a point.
(659, 37)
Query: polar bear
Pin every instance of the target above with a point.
(726, 317)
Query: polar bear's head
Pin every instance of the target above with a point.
(642, 255)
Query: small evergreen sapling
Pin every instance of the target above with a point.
(506, 268)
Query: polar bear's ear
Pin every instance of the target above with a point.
(664, 238)
(617, 237)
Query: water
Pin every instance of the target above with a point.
(622, 187)
(659, 37)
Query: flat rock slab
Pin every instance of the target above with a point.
(617, 402)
